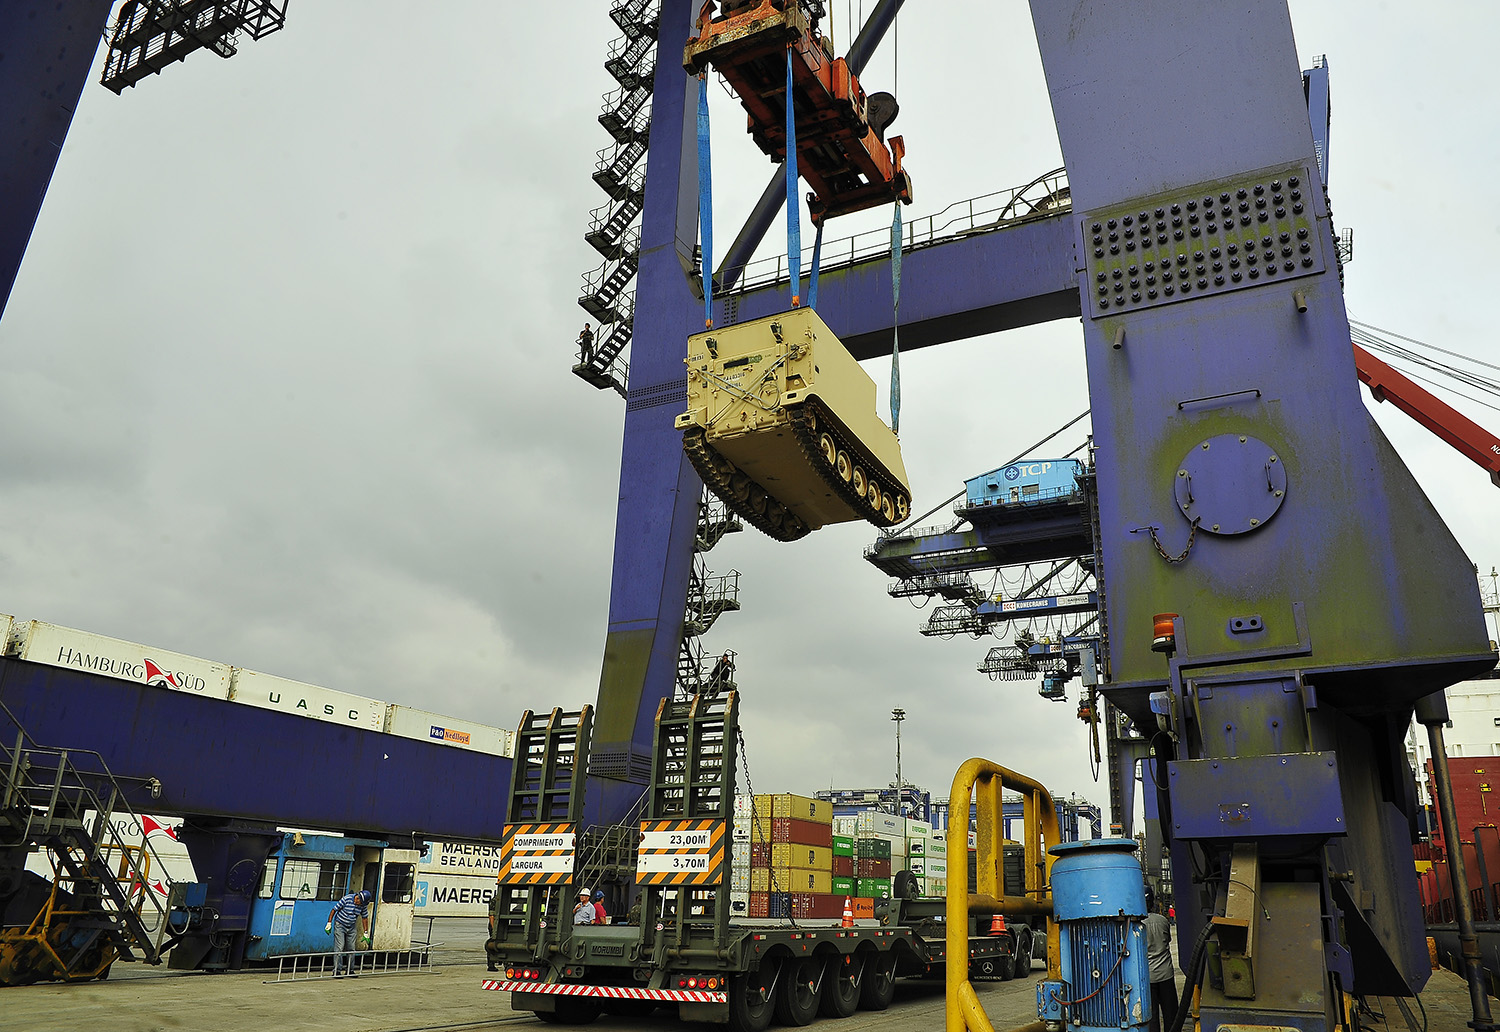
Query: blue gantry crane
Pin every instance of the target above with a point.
(1279, 593)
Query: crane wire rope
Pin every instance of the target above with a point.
(954, 497)
(896, 264)
(793, 209)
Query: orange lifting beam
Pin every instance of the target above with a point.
(840, 152)
(1466, 437)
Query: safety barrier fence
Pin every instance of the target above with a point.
(985, 782)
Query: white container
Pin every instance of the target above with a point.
(739, 903)
(408, 722)
(918, 829)
(267, 691)
(38, 642)
(878, 822)
(846, 824)
(739, 879)
(917, 866)
(743, 806)
(451, 895)
(741, 829)
(461, 858)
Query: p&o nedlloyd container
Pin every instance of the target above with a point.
(306, 700)
(39, 642)
(409, 722)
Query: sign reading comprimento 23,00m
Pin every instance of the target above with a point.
(679, 852)
(537, 854)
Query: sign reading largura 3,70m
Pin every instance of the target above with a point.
(679, 852)
(537, 854)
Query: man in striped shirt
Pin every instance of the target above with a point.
(349, 913)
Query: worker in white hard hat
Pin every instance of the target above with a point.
(583, 910)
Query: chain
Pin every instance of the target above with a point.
(739, 735)
(1180, 556)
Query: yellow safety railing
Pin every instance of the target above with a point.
(986, 782)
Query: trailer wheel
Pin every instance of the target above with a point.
(840, 997)
(751, 1005)
(1023, 956)
(878, 986)
(797, 997)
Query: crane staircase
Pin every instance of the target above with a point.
(708, 597)
(614, 228)
(148, 35)
(99, 905)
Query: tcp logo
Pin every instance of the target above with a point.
(1012, 472)
(1028, 469)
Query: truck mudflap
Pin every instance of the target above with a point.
(608, 992)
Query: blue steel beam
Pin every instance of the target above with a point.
(48, 49)
(226, 759)
(1001, 279)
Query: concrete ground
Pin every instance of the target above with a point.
(139, 999)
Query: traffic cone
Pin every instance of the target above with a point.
(848, 912)
(997, 924)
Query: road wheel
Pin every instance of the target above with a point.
(873, 494)
(888, 508)
(750, 1004)
(739, 486)
(830, 450)
(1005, 967)
(797, 996)
(877, 988)
(843, 467)
(903, 508)
(840, 991)
(1023, 957)
(859, 481)
(758, 499)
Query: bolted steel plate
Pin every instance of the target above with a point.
(1230, 484)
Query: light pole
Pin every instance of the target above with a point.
(898, 715)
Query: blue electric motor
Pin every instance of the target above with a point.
(1099, 904)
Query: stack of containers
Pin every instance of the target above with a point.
(879, 851)
(791, 857)
(843, 864)
(935, 873)
(739, 858)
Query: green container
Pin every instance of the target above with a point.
(874, 888)
(872, 848)
(843, 887)
(843, 845)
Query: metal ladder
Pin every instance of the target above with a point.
(692, 778)
(100, 905)
(707, 597)
(552, 755)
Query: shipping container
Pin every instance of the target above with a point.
(843, 885)
(267, 691)
(790, 879)
(787, 854)
(802, 807)
(872, 867)
(843, 845)
(878, 848)
(843, 866)
(807, 833)
(408, 722)
(879, 822)
(452, 895)
(877, 888)
(39, 642)
(460, 858)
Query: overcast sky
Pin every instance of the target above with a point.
(287, 364)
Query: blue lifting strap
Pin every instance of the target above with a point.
(793, 210)
(895, 320)
(705, 204)
(812, 286)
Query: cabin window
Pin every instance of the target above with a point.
(314, 879)
(268, 880)
(397, 886)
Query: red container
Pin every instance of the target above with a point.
(760, 855)
(760, 904)
(864, 908)
(802, 833)
(843, 867)
(817, 905)
(870, 867)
